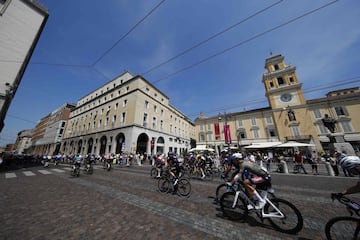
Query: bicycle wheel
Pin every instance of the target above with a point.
(153, 172)
(220, 190)
(209, 175)
(345, 227)
(238, 212)
(292, 222)
(184, 187)
(164, 185)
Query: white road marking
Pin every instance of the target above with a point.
(10, 175)
(28, 173)
(45, 172)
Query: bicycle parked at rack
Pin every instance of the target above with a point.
(167, 184)
(282, 215)
(344, 227)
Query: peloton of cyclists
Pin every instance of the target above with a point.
(245, 166)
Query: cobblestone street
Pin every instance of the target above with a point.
(125, 204)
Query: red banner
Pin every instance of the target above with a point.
(227, 134)
(217, 130)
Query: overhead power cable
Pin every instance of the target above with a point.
(128, 32)
(245, 41)
(257, 101)
(210, 38)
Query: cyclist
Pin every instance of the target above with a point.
(173, 169)
(200, 164)
(159, 163)
(77, 160)
(352, 165)
(242, 166)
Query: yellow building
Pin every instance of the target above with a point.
(127, 114)
(289, 117)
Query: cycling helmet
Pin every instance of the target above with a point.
(349, 162)
(237, 155)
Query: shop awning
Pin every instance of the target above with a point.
(262, 145)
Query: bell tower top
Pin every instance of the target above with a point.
(281, 83)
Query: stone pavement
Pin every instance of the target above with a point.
(125, 204)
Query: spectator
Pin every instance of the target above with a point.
(299, 162)
(314, 163)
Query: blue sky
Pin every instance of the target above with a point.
(222, 74)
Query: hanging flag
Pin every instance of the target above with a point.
(227, 134)
(217, 130)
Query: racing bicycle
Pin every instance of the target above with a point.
(282, 214)
(344, 227)
(180, 186)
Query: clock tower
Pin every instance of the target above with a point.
(281, 83)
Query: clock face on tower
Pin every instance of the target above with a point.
(286, 97)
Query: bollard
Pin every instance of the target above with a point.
(329, 169)
(284, 168)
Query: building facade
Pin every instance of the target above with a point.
(21, 24)
(49, 131)
(127, 114)
(289, 117)
(23, 141)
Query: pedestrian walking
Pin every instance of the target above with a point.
(314, 163)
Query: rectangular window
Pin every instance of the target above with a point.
(122, 120)
(255, 133)
(341, 111)
(242, 134)
(280, 81)
(161, 125)
(106, 121)
(296, 131)
(346, 126)
(146, 104)
(202, 138)
(317, 113)
(154, 123)
(209, 136)
(125, 102)
(272, 132)
(240, 122)
(253, 121)
(145, 120)
(322, 129)
(113, 122)
(269, 120)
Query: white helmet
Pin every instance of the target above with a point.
(237, 155)
(349, 162)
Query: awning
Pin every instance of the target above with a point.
(201, 148)
(262, 145)
(295, 144)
